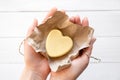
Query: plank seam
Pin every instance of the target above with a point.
(65, 10)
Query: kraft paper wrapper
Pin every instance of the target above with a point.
(81, 37)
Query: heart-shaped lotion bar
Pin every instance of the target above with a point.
(58, 45)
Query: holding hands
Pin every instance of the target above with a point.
(37, 67)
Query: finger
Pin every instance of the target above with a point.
(85, 21)
(50, 13)
(30, 54)
(72, 19)
(92, 41)
(77, 20)
(86, 54)
(78, 65)
(63, 11)
(31, 28)
(88, 50)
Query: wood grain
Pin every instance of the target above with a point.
(16, 24)
(104, 16)
(37, 5)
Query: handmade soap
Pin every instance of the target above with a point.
(58, 45)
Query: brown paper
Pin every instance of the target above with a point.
(81, 37)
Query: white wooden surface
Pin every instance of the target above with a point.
(104, 15)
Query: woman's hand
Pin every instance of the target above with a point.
(80, 63)
(37, 67)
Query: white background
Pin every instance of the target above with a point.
(104, 16)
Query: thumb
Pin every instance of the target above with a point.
(88, 50)
(32, 27)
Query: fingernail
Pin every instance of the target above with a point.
(54, 8)
(85, 21)
(63, 11)
(34, 24)
(78, 21)
(72, 19)
(77, 16)
(85, 18)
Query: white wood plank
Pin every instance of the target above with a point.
(105, 23)
(11, 71)
(43, 5)
(101, 71)
(9, 50)
(107, 49)
(104, 15)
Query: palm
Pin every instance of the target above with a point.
(80, 63)
(77, 67)
(35, 61)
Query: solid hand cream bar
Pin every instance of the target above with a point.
(58, 45)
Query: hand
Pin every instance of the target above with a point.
(37, 67)
(80, 63)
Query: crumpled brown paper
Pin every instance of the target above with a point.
(81, 37)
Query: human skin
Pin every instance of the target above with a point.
(36, 65)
